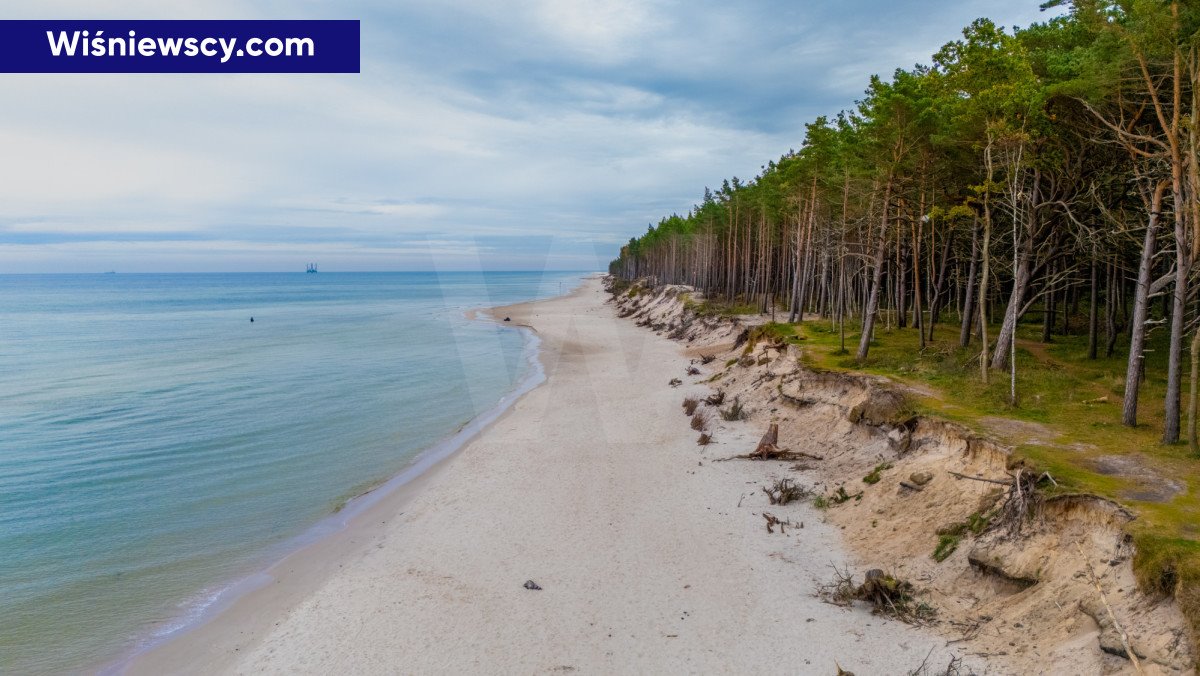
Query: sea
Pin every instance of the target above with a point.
(165, 436)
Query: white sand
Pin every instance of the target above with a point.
(592, 485)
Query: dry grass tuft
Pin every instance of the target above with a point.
(690, 404)
(735, 411)
(701, 419)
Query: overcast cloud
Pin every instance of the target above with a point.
(498, 135)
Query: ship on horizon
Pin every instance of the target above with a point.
(312, 268)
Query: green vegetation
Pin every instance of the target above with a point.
(946, 546)
(840, 496)
(874, 476)
(1037, 187)
(719, 308)
(950, 536)
(1028, 167)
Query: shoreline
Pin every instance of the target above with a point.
(398, 488)
(591, 485)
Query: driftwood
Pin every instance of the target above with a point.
(911, 487)
(773, 521)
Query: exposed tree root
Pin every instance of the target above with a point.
(785, 491)
(886, 594)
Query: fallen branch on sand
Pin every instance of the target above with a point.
(773, 520)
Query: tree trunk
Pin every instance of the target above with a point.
(1192, 403)
(1175, 353)
(1015, 302)
(872, 305)
(936, 302)
(968, 311)
(1141, 302)
(1093, 317)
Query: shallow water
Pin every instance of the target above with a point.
(155, 444)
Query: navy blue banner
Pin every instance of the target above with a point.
(179, 46)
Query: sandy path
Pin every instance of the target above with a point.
(593, 486)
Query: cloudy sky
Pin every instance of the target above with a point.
(522, 134)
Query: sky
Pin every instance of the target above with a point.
(495, 135)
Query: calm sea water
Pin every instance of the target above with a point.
(156, 445)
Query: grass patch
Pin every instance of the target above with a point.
(719, 308)
(840, 496)
(950, 536)
(1170, 567)
(874, 476)
(945, 547)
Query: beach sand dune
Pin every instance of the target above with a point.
(593, 487)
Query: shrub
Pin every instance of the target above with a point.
(690, 404)
(785, 491)
(735, 411)
(700, 420)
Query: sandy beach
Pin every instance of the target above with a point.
(651, 556)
